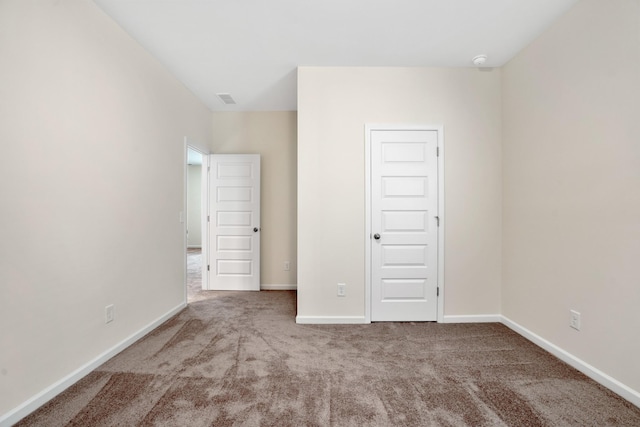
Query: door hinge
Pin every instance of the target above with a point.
(437, 220)
(437, 292)
(208, 168)
(437, 151)
(208, 267)
(208, 218)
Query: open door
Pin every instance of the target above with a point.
(234, 222)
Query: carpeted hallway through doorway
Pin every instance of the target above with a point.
(194, 275)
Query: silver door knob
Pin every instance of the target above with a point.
(376, 236)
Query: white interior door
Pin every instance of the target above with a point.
(404, 225)
(234, 229)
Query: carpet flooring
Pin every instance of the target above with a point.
(239, 359)
(194, 276)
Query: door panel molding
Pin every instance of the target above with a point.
(234, 222)
(395, 218)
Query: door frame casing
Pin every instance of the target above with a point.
(206, 167)
(369, 128)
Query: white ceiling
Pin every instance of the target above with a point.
(251, 48)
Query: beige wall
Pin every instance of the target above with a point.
(194, 206)
(273, 136)
(91, 178)
(548, 224)
(571, 189)
(333, 106)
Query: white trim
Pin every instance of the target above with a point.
(206, 164)
(443, 222)
(473, 318)
(36, 401)
(184, 214)
(595, 374)
(276, 287)
(367, 222)
(330, 320)
(368, 128)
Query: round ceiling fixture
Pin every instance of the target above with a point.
(479, 60)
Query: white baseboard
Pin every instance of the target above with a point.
(600, 377)
(329, 320)
(264, 287)
(473, 318)
(58, 387)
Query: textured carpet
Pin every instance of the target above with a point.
(194, 275)
(239, 359)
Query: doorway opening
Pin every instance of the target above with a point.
(221, 223)
(194, 223)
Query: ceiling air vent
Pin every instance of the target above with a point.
(226, 98)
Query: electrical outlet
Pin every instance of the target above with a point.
(342, 289)
(575, 320)
(287, 266)
(108, 314)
